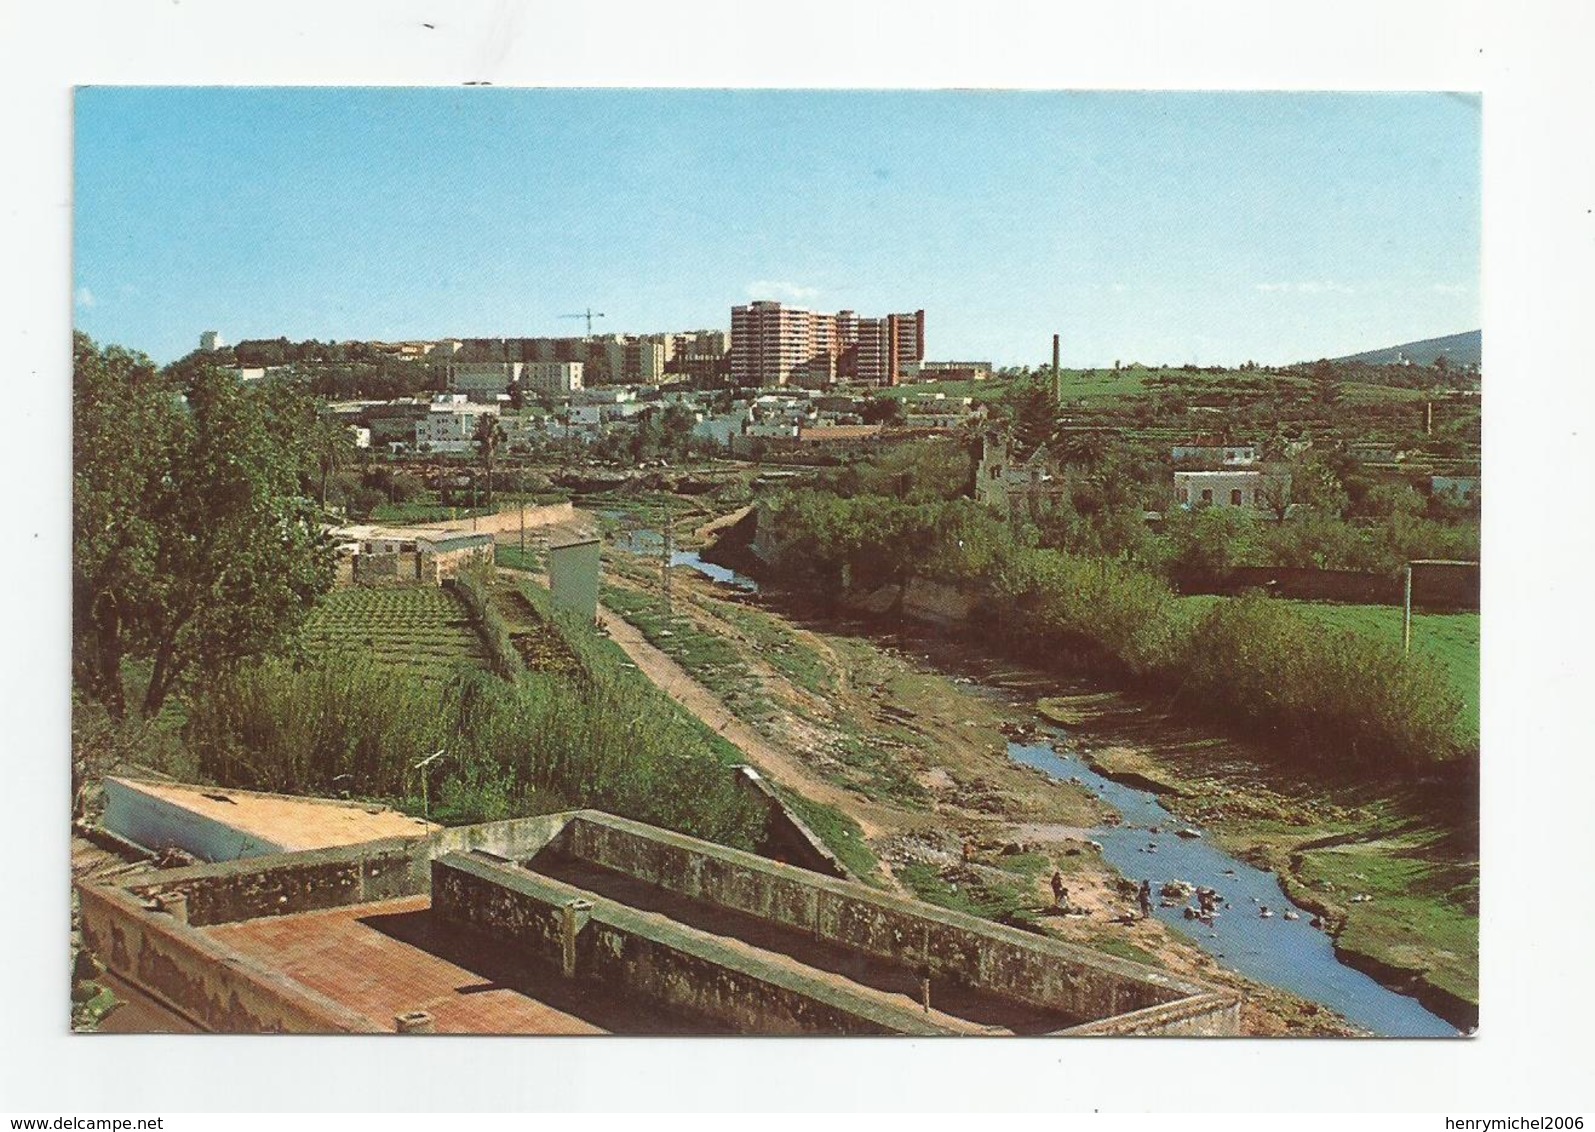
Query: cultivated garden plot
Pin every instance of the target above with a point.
(421, 628)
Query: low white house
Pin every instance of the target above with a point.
(1219, 489)
(1229, 455)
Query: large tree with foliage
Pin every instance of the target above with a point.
(195, 542)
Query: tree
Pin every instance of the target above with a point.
(1035, 417)
(124, 417)
(1274, 489)
(882, 410)
(1326, 382)
(194, 542)
(489, 438)
(334, 450)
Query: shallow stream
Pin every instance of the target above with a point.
(1289, 954)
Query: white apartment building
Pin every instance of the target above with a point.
(450, 424)
(481, 381)
(554, 379)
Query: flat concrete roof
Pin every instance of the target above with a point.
(388, 958)
(292, 823)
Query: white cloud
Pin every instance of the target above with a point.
(781, 289)
(84, 298)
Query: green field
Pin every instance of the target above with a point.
(1450, 639)
(417, 627)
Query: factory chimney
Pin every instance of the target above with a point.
(1057, 373)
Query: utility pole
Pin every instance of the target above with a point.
(664, 563)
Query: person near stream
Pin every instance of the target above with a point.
(1059, 893)
(1144, 896)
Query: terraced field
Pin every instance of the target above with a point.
(422, 628)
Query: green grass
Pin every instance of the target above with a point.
(1424, 911)
(1123, 949)
(1005, 903)
(709, 659)
(780, 647)
(420, 511)
(840, 833)
(423, 628)
(518, 559)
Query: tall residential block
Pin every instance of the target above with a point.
(775, 345)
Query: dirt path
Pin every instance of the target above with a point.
(769, 759)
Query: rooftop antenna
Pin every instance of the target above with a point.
(421, 766)
(589, 314)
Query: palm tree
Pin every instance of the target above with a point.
(489, 435)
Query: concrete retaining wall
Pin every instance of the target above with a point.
(787, 836)
(935, 603)
(724, 983)
(1435, 585)
(211, 986)
(1010, 964)
(294, 882)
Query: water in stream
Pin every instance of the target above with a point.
(648, 543)
(1289, 954)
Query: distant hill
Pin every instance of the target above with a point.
(1464, 349)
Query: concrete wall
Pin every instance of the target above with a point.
(387, 569)
(573, 574)
(435, 565)
(294, 882)
(1005, 962)
(787, 836)
(1445, 585)
(156, 824)
(286, 883)
(208, 984)
(1435, 585)
(726, 984)
(935, 603)
(514, 839)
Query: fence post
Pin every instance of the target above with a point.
(1406, 616)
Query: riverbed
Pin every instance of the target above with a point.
(1281, 950)
(1288, 953)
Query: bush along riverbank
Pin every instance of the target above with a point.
(1251, 664)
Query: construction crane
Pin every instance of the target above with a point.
(589, 314)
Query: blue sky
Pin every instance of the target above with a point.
(1150, 227)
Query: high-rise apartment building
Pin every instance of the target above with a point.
(776, 345)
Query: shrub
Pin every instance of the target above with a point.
(537, 744)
